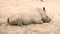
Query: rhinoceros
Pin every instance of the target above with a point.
(36, 16)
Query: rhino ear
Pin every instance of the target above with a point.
(8, 20)
(43, 8)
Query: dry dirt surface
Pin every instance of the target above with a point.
(12, 7)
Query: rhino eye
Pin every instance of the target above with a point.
(43, 8)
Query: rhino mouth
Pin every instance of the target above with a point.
(46, 20)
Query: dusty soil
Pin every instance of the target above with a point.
(13, 7)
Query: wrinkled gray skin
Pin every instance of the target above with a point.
(18, 20)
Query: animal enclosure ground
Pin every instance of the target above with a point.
(9, 7)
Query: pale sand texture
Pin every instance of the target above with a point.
(12, 7)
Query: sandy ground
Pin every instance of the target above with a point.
(9, 8)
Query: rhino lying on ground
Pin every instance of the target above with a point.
(35, 17)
